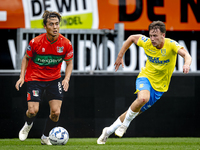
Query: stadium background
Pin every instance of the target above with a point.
(95, 101)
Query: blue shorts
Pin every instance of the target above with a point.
(143, 83)
(53, 90)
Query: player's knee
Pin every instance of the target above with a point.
(32, 113)
(55, 112)
(55, 115)
(143, 100)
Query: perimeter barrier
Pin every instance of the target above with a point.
(90, 46)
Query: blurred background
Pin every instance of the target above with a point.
(97, 95)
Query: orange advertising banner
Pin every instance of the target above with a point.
(11, 14)
(178, 15)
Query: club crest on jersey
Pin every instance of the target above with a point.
(60, 49)
(163, 52)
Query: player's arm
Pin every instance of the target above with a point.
(187, 59)
(24, 65)
(131, 39)
(68, 71)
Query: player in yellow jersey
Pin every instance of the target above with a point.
(154, 78)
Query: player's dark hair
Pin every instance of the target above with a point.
(158, 25)
(48, 14)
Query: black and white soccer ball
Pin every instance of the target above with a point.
(58, 136)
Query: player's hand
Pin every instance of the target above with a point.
(118, 62)
(65, 84)
(19, 83)
(186, 68)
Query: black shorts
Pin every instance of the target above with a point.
(53, 90)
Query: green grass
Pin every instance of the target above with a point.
(112, 144)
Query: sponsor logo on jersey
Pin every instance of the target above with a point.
(43, 49)
(48, 60)
(144, 38)
(157, 61)
(70, 54)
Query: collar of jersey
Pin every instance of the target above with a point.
(51, 42)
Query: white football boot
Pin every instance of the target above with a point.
(104, 136)
(23, 133)
(121, 130)
(45, 141)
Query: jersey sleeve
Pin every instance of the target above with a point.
(69, 53)
(30, 49)
(175, 46)
(142, 41)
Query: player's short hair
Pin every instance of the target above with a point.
(158, 25)
(49, 14)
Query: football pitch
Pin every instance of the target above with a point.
(112, 144)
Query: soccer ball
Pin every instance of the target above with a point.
(58, 136)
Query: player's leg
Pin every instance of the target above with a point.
(143, 87)
(107, 131)
(134, 109)
(122, 123)
(147, 96)
(34, 93)
(52, 120)
(33, 108)
(120, 128)
(54, 94)
(132, 112)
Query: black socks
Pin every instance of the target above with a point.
(48, 126)
(29, 120)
